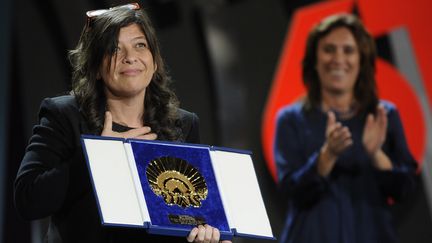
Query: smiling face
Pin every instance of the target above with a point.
(338, 61)
(130, 69)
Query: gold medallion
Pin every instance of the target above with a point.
(178, 182)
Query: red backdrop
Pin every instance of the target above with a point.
(392, 85)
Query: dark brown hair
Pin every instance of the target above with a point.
(98, 40)
(365, 92)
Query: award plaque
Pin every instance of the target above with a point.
(169, 188)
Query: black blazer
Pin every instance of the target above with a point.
(53, 179)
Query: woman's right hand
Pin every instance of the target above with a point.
(338, 138)
(140, 133)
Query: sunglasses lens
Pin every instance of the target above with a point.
(94, 13)
(131, 6)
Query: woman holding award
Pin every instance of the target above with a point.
(120, 89)
(341, 152)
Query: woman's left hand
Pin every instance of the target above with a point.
(205, 234)
(374, 133)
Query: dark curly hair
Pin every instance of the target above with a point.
(365, 91)
(99, 39)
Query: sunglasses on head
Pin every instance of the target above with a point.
(94, 13)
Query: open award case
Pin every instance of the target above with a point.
(169, 188)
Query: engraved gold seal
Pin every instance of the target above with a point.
(178, 182)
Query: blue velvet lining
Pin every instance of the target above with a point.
(199, 157)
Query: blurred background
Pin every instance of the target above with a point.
(234, 63)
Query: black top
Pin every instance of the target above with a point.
(53, 179)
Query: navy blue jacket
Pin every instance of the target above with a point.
(351, 204)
